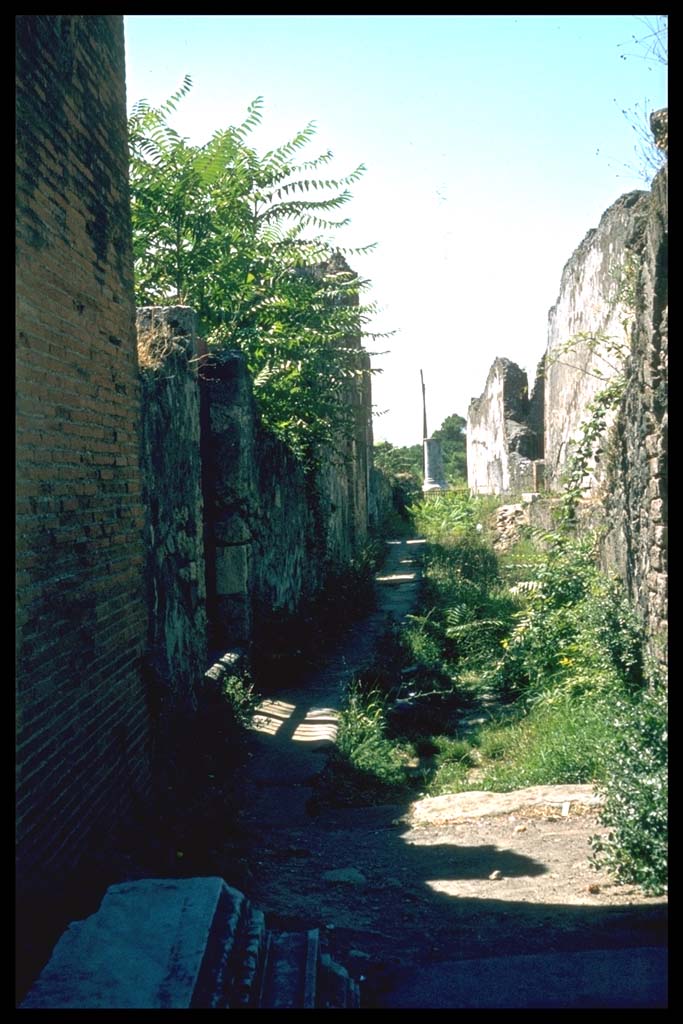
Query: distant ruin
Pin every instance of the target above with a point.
(610, 319)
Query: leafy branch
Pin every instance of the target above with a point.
(243, 239)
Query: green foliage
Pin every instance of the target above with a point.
(239, 694)
(445, 518)
(362, 736)
(547, 649)
(562, 742)
(636, 792)
(237, 236)
(587, 448)
(453, 758)
(453, 440)
(399, 461)
(365, 767)
(405, 465)
(575, 633)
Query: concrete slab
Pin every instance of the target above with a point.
(596, 979)
(153, 944)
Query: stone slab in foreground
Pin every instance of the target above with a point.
(153, 944)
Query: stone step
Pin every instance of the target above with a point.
(291, 971)
(336, 990)
(192, 943)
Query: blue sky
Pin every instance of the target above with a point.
(492, 144)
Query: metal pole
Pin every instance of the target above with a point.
(424, 409)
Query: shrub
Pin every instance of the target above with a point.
(636, 794)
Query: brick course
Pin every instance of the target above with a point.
(82, 754)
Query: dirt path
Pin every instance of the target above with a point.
(394, 888)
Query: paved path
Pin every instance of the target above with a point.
(295, 727)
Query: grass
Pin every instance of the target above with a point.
(552, 745)
(545, 646)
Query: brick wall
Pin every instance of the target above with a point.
(81, 618)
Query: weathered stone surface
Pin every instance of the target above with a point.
(228, 452)
(153, 944)
(507, 523)
(274, 532)
(476, 804)
(637, 495)
(232, 570)
(82, 717)
(594, 302)
(172, 488)
(501, 442)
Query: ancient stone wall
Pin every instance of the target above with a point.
(589, 325)
(82, 720)
(273, 532)
(232, 507)
(502, 446)
(175, 576)
(289, 549)
(636, 502)
(343, 480)
(611, 318)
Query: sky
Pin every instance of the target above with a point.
(492, 145)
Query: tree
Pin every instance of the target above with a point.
(395, 461)
(453, 440)
(238, 237)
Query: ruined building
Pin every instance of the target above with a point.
(610, 320)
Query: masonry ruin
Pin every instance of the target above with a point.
(610, 319)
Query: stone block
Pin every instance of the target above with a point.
(232, 569)
(153, 944)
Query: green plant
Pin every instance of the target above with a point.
(559, 743)
(445, 518)
(239, 694)
(636, 793)
(237, 236)
(451, 435)
(361, 737)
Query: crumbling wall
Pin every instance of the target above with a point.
(81, 624)
(588, 327)
(289, 544)
(176, 654)
(611, 318)
(636, 502)
(273, 531)
(343, 480)
(502, 446)
(231, 498)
